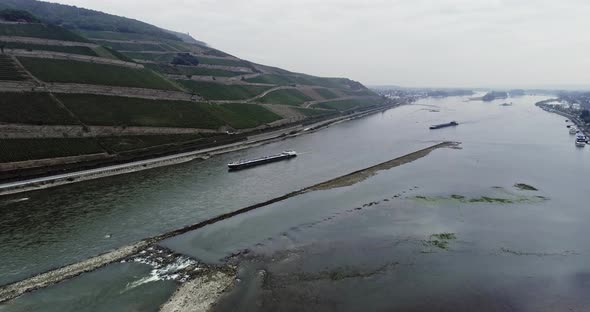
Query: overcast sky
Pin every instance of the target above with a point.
(521, 43)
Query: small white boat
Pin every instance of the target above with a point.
(573, 130)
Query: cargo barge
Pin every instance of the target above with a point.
(450, 124)
(243, 164)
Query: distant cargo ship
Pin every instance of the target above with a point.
(450, 124)
(242, 164)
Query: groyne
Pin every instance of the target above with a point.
(52, 277)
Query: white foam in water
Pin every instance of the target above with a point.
(168, 272)
(14, 201)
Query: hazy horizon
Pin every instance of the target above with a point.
(410, 43)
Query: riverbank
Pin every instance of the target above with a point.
(253, 141)
(573, 118)
(43, 280)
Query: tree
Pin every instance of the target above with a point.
(585, 115)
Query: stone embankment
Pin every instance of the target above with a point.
(199, 294)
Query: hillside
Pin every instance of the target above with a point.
(80, 86)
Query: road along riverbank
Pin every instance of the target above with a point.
(43, 280)
(253, 141)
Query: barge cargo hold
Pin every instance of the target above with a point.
(243, 164)
(450, 124)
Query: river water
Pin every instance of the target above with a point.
(369, 245)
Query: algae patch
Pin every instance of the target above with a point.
(499, 196)
(440, 241)
(525, 187)
(538, 254)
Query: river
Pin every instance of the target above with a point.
(372, 245)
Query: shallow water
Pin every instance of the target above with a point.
(367, 245)
(113, 288)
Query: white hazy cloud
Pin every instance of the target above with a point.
(452, 43)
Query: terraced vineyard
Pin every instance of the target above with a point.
(191, 70)
(33, 108)
(53, 48)
(344, 105)
(223, 62)
(120, 111)
(40, 31)
(128, 143)
(315, 112)
(123, 111)
(112, 35)
(9, 70)
(300, 79)
(51, 70)
(287, 97)
(30, 149)
(244, 116)
(215, 91)
(326, 93)
(124, 46)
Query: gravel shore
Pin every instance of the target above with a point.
(199, 294)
